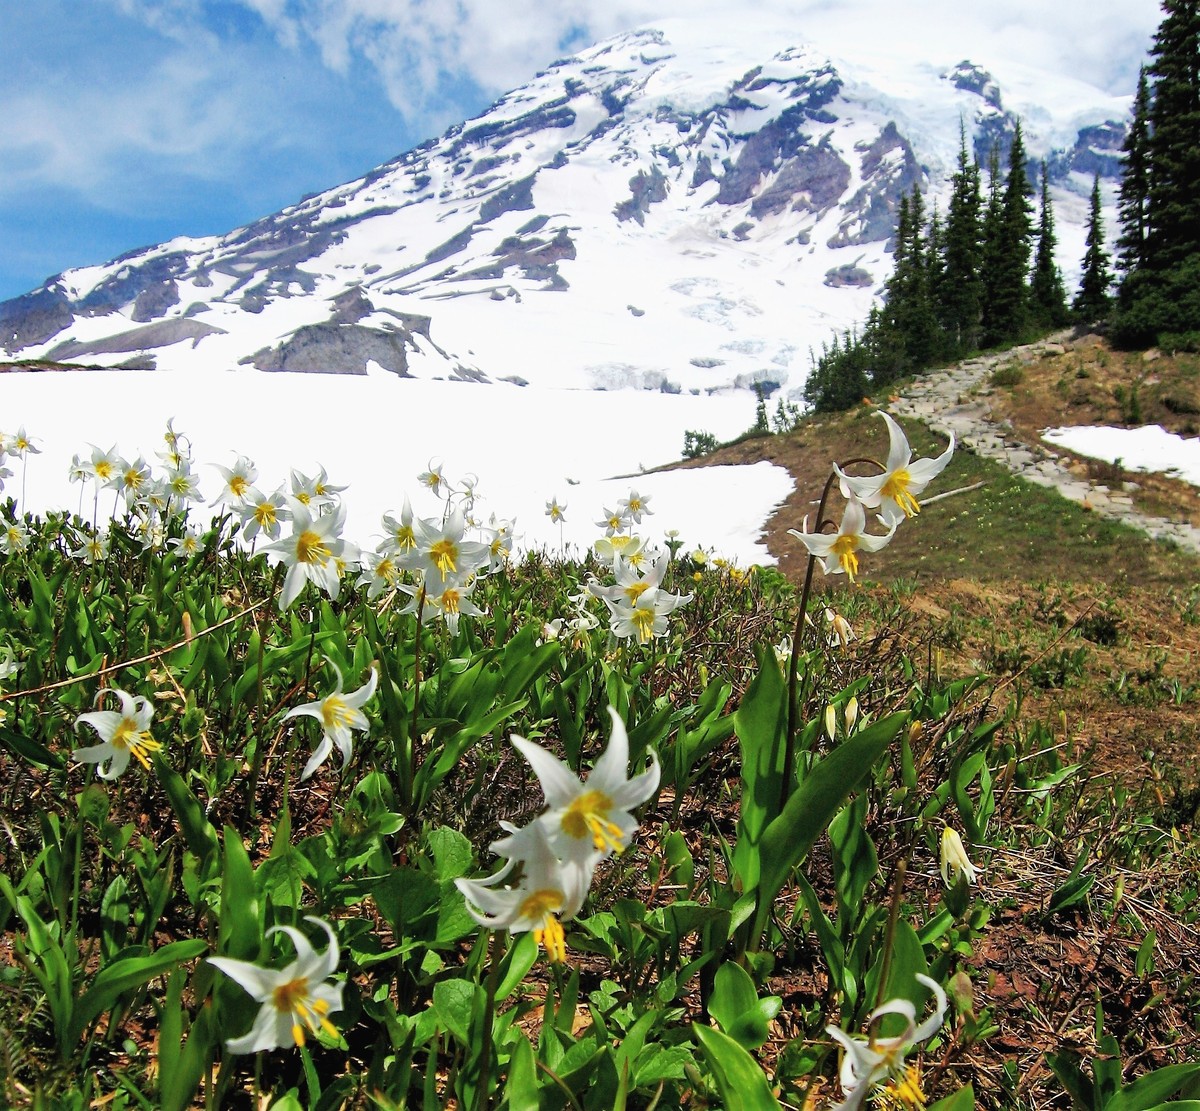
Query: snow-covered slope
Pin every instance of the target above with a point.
(684, 208)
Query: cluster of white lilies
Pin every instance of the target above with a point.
(551, 860)
(892, 493)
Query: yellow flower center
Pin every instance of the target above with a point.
(386, 570)
(635, 590)
(293, 998)
(541, 907)
(264, 514)
(903, 1093)
(303, 497)
(444, 556)
(311, 548)
(449, 600)
(134, 478)
(896, 488)
(238, 485)
(405, 538)
(103, 469)
(587, 816)
(643, 621)
(335, 712)
(129, 737)
(843, 548)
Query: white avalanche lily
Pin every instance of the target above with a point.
(871, 1062)
(338, 713)
(894, 492)
(838, 551)
(592, 818)
(296, 998)
(311, 552)
(123, 733)
(551, 891)
(955, 861)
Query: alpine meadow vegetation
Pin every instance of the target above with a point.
(757, 864)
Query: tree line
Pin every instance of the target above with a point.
(984, 276)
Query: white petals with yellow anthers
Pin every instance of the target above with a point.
(550, 891)
(338, 714)
(557, 513)
(295, 1000)
(593, 816)
(238, 481)
(614, 521)
(894, 493)
(399, 535)
(124, 733)
(311, 553)
(608, 548)
(954, 860)
(871, 1062)
(635, 506)
(265, 513)
(838, 552)
(441, 553)
(452, 600)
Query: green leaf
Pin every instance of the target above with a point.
(197, 830)
(127, 973)
(1147, 1091)
(739, 1079)
(737, 1008)
(962, 1100)
(812, 806)
(521, 1088)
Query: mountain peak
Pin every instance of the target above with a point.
(684, 206)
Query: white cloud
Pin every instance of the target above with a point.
(419, 48)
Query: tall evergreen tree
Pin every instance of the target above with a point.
(1010, 310)
(1135, 181)
(1092, 302)
(1159, 297)
(908, 314)
(991, 239)
(1173, 201)
(1048, 298)
(959, 293)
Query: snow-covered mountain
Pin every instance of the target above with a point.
(684, 208)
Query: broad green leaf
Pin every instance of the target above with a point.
(812, 806)
(738, 1076)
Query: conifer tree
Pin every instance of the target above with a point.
(990, 245)
(959, 293)
(1010, 293)
(1159, 297)
(1048, 298)
(1092, 302)
(1135, 181)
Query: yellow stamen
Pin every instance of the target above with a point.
(264, 514)
(129, 737)
(542, 906)
(843, 548)
(903, 1093)
(103, 469)
(635, 590)
(335, 712)
(643, 620)
(449, 600)
(311, 548)
(896, 488)
(238, 485)
(444, 556)
(587, 815)
(303, 497)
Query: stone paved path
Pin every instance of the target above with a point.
(958, 400)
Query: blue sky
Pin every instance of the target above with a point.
(126, 122)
